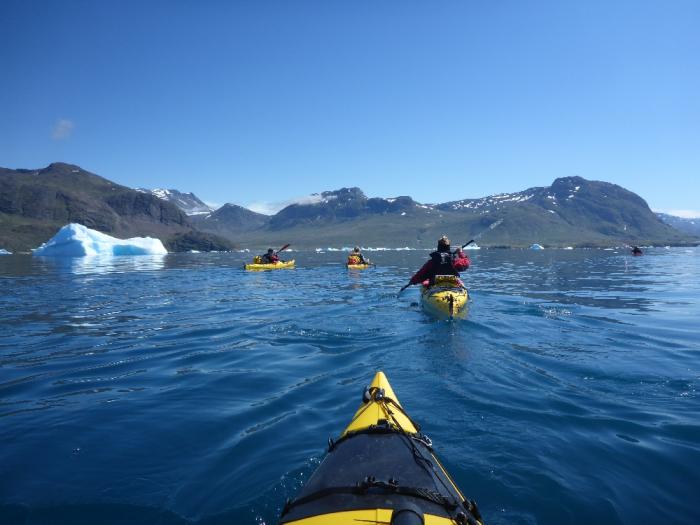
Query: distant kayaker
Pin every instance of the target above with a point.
(356, 257)
(442, 262)
(636, 250)
(270, 257)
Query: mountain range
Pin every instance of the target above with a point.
(571, 212)
(689, 226)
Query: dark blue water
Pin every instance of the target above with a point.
(182, 389)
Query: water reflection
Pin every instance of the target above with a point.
(101, 264)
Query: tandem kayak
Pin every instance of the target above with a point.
(382, 469)
(273, 266)
(358, 266)
(447, 298)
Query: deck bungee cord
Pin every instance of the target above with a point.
(382, 469)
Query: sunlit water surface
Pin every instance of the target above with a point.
(181, 389)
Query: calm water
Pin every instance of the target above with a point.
(181, 389)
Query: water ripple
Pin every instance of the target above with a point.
(181, 389)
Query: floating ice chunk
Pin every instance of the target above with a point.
(472, 246)
(76, 240)
(536, 247)
(4, 252)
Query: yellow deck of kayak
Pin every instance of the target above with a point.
(274, 266)
(445, 301)
(370, 413)
(365, 517)
(358, 266)
(367, 415)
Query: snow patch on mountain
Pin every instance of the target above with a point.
(187, 202)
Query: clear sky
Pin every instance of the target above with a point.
(262, 101)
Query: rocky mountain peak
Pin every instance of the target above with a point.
(345, 194)
(187, 202)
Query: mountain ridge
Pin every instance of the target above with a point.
(35, 204)
(686, 225)
(187, 202)
(572, 211)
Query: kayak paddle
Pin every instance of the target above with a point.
(464, 246)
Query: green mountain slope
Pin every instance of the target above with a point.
(34, 204)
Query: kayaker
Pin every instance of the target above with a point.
(270, 257)
(356, 257)
(636, 250)
(442, 262)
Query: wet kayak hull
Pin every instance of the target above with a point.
(358, 266)
(255, 267)
(450, 303)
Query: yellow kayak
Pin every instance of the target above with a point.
(275, 266)
(447, 298)
(358, 266)
(380, 470)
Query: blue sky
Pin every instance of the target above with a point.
(264, 101)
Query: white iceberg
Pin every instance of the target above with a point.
(4, 252)
(472, 246)
(536, 247)
(76, 240)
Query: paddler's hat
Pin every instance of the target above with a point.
(443, 244)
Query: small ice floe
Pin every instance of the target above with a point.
(473, 246)
(569, 248)
(4, 252)
(76, 240)
(536, 247)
